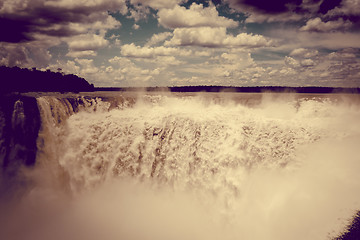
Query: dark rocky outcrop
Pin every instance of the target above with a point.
(19, 127)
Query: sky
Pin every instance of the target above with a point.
(144, 43)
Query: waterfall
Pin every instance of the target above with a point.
(175, 166)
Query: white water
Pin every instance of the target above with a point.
(193, 167)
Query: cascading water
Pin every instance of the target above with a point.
(181, 166)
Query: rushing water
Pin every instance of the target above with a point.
(183, 166)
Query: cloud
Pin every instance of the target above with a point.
(85, 45)
(131, 50)
(290, 38)
(87, 66)
(342, 66)
(25, 54)
(120, 61)
(37, 24)
(87, 6)
(96, 22)
(304, 53)
(215, 38)
(17, 30)
(139, 12)
(231, 67)
(125, 72)
(307, 63)
(269, 7)
(171, 61)
(234, 65)
(291, 62)
(291, 10)
(86, 42)
(163, 61)
(327, 5)
(195, 16)
(135, 26)
(338, 68)
(344, 55)
(156, 4)
(346, 8)
(55, 18)
(69, 66)
(198, 45)
(122, 72)
(282, 17)
(270, 11)
(317, 25)
(80, 54)
(82, 67)
(302, 58)
(158, 38)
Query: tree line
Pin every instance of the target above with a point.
(255, 89)
(15, 79)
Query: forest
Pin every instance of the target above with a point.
(15, 79)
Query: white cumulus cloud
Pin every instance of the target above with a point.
(195, 16)
(215, 37)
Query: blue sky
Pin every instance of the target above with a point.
(176, 42)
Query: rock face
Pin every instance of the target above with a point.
(19, 127)
(25, 80)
